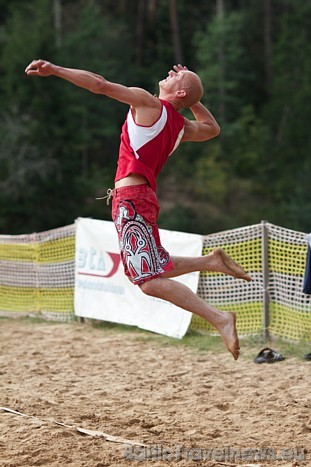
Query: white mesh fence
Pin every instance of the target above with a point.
(37, 278)
(37, 274)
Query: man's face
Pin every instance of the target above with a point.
(174, 81)
(182, 83)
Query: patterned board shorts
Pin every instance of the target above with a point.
(135, 211)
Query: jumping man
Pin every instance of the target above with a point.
(152, 131)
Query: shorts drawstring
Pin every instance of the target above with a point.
(108, 196)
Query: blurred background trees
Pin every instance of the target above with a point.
(59, 144)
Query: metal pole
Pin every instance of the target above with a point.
(265, 277)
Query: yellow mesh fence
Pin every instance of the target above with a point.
(37, 274)
(37, 277)
(228, 293)
(289, 307)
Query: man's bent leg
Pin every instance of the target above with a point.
(216, 261)
(182, 296)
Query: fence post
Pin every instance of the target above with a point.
(265, 277)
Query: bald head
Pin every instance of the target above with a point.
(193, 87)
(183, 88)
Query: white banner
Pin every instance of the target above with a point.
(103, 292)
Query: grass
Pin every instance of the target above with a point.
(250, 345)
(193, 339)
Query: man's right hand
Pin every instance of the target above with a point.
(39, 68)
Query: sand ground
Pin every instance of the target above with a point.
(189, 408)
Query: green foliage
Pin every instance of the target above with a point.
(59, 144)
(211, 176)
(222, 63)
(20, 160)
(22, 43)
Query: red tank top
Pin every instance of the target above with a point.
(145, 149)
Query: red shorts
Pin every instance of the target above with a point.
(135, 211)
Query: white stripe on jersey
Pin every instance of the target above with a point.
(178, 140)
(140, 135)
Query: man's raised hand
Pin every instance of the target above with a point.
(39, 68)
(179, 67)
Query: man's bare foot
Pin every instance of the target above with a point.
(225, 264)
(229, 335)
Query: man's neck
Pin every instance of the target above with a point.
(174, 103)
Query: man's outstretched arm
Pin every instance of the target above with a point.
(97, 84)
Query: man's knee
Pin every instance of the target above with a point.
(148, 287)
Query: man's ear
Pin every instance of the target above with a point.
(180, 93)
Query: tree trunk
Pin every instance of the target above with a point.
(178, 57)
(152, 12)
(268, 43)
(140, 31)
(57, 22)
(221, 62)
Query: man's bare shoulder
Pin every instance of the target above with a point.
(147, 113)
(145, 98)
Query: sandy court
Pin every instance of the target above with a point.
(130, 386)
